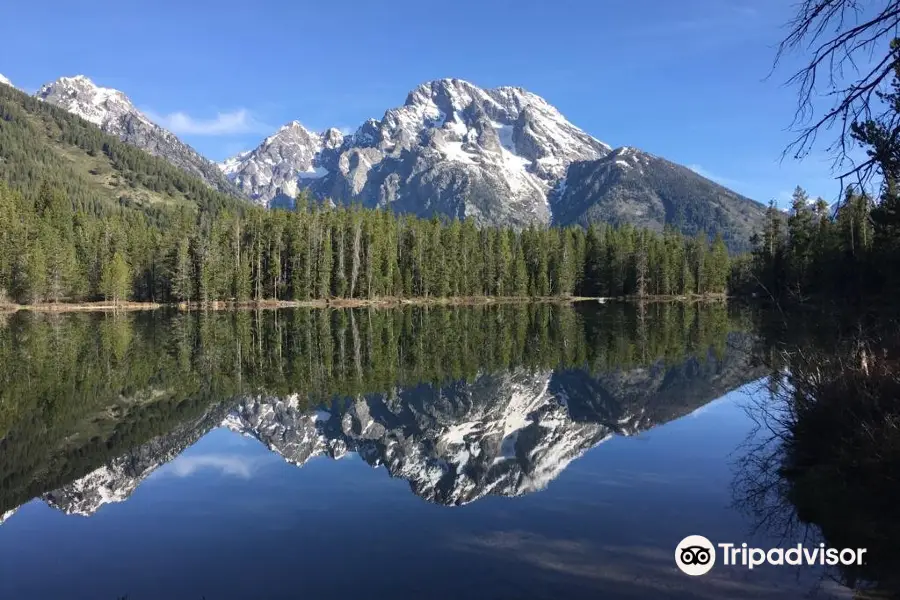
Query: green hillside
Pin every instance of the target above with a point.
(42, 144)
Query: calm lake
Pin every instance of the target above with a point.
(517, 451)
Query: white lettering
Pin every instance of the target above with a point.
(726, 548)
(757, 557)
(751, 558)
(848, 556)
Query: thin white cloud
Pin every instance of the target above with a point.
(226, 464)
(699, 170)
(224, 123)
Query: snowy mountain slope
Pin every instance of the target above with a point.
(452, 148)
(501, 435)
(284, 159)
(113, 112)
(502, 156)
(5, 80)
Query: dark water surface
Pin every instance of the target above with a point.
(504, 452)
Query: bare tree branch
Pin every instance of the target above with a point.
(843, 39)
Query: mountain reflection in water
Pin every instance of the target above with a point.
(460, 402)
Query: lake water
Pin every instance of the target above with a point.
(535, 451)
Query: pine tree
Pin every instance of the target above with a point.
(31, 276)
(115, 281)
(181, 272)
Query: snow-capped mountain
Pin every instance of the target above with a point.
(502, 156)
(452, 148)
(114, 113)
(502, 435)
(5, 80)
(289, 156)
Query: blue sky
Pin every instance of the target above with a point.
(682, 79)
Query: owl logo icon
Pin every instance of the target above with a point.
(695, 555)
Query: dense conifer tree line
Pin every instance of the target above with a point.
(816, 250)
(53, 250)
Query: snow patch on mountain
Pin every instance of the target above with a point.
(279, 165)
(6, 515)
(452, 148)
(80, 96)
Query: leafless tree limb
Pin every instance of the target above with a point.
(843, 38)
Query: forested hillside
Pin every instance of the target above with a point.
(42, 144)
(86, 217)
(630, 186)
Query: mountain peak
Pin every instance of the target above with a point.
(436, 87)
(81, 96)
(452, 147)
(80, 79)
(280, 162)
(113, 112)
(293, 125)
(290, 131)
(6, 81)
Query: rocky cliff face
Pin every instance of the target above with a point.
(452, 148)
(282, 163)
(114, 113)
(501, 156)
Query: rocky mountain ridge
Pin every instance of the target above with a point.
(114, 113)
(500, 156)
(636, 187)
(452, 148)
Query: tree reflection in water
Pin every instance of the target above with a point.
(824, 460)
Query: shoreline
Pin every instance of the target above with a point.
(102, 306)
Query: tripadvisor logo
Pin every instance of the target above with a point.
(696, 555)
